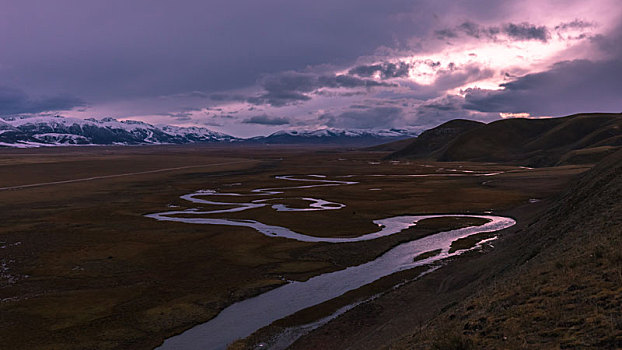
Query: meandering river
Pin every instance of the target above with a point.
(243, 318)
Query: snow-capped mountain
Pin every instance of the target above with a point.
(61, 131)
(335, 136)
(49, 131)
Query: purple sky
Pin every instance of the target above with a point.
(249, 67)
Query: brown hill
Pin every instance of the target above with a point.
(391, 146)
(562, 286)
(580, 138)
(430, 142)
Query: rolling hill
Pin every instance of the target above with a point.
(580, 138)
(430, 141)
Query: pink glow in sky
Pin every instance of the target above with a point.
(249, 68)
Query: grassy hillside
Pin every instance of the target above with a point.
(391, 146)
(432, 141)
(580, 138)
(564, 291)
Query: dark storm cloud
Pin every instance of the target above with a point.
(266, 120)
(278, 98)
(526, 31)
(377, 117)
(446, 33)
(181, 116)
(386, 70)
(290, 87)
(477, 31)
(516, 31)
(14, 101)
(568, 87)
(468, 28)
(348, 81)
(119, 50)
(574, 24)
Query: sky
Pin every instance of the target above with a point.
(249, 67)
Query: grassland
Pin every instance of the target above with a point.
(83, 268)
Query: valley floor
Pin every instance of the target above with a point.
(82, 267)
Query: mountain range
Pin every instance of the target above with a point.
(354, 137)
(62, 131)
(56, 130)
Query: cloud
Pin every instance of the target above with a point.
(278, 98)
(181, 116)
(376, 117)
(436, 111)
(575, 24)
(454, 77)
(266, 120)
(515, 31)
(526, 31)
(468, 28)
(15, 101)
(567, 87)
(476, 31)
(386, 70)
(291, 87)
(160, 48)
(348, 81)
(224, 97)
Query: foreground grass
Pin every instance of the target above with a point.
(566, 291)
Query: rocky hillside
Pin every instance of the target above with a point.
(581, 138)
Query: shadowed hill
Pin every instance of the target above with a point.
(391, 146)
(580, 138)
(564, 291)
(432, 141)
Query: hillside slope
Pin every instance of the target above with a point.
(564, 291)
(575, 139)
(432, 141)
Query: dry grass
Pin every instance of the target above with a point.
(566, 290)
(91, 272)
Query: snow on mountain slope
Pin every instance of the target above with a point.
(56, 130)
(335, 136)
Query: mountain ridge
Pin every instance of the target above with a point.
(578, 138)
(62, 131)
(351, 137)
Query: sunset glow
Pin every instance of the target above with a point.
(449, 60)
